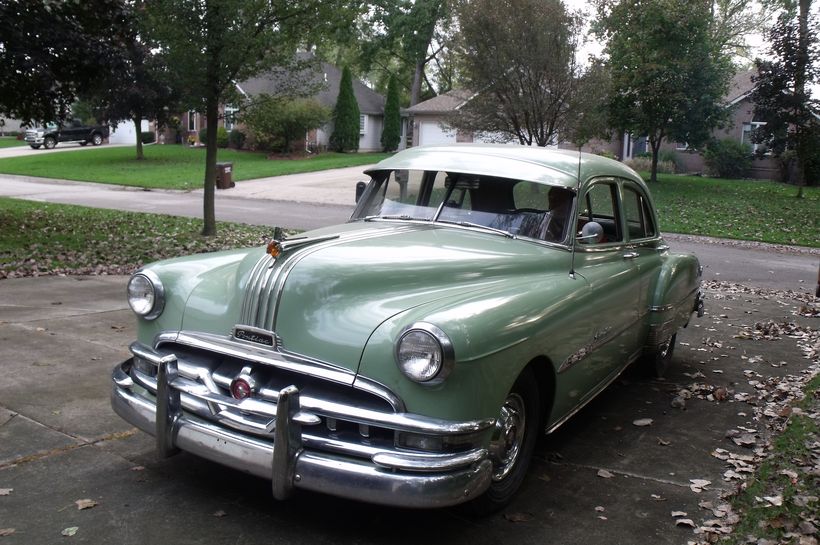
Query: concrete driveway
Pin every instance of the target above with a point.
(60, 442)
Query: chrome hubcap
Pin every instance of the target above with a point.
(508, 436)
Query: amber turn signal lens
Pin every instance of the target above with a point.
(274, 248)
(240, 389)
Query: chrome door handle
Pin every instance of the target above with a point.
(631, 255)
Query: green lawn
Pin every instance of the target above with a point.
(40, 238)
(741, 209)
(170, 166)
(11, 142)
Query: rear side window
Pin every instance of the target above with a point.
(638, 217)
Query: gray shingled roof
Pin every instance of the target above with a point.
(445, 103)
(326, 76)
(740, 86)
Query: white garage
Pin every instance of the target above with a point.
(432, 133)
(125, 133)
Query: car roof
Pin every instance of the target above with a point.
(548, 166)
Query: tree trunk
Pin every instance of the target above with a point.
(655, 144)
(138, 129)
(801, 73)
(212, 120)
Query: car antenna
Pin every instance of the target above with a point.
(572, 217)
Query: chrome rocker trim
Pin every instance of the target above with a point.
(385, 476)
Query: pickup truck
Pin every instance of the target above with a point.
(72, 131)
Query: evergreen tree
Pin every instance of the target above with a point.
(345, 135)
(391, 133)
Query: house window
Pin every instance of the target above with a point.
(230, 117)
(192, 120)
(362, 124)
(746, 135)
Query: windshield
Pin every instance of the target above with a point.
(512, 207)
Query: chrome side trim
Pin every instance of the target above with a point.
(593, 394)
(600, 338)
(671, 306)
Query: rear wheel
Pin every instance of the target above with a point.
(512, 444)
(655, 362)
(49, 142)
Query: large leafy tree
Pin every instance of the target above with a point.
(781, 96)
(211, 44)
(519, 56)
(52, 51)
(278, 122)
(345, 136)
(143, 89)
(391, 132)
(669, 75)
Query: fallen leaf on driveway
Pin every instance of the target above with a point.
(5, 491)
(600, 509)
(518, 517)
(685, 522)
(698, 485)
(641, 422)
(85, 504)
(605, 474)
(220, 514)
(777, 501)
(68, 532)
(663, 442)
(138, 468)
(656, 497)
(6, 531)
(679, 513)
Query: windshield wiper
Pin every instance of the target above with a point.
(389, 217)
(478, 226)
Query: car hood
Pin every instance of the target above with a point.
(324, 299)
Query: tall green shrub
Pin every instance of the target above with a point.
(346, 114)
(728, 158)
(391, 133)
(221, 137)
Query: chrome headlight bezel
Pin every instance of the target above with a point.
(443, 346)
(157, 290)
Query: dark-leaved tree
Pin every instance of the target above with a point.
(391, 133)
(50, 52)
(781, 95)
(346, 128)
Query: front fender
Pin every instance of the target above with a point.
(495, 332)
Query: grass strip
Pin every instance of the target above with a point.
(40, 239)
(793, 451)
(11, 142)
(170, 166)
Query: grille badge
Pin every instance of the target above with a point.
(255, 335)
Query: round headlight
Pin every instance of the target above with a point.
(424, 354)
(146, 296)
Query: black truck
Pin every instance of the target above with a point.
(72, 130)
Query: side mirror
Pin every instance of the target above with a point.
(591, 233)
(360, 187)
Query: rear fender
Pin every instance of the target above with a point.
(676, 296)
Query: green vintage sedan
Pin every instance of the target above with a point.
(479, 296)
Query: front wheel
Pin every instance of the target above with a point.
(655, 361)
(96, 139)
(512, 444)
(49, 142)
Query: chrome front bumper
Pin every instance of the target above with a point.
(437, 481)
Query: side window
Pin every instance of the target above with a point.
(638, 218)
(601, 205)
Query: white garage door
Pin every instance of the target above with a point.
(125, 133)
(431, 133)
